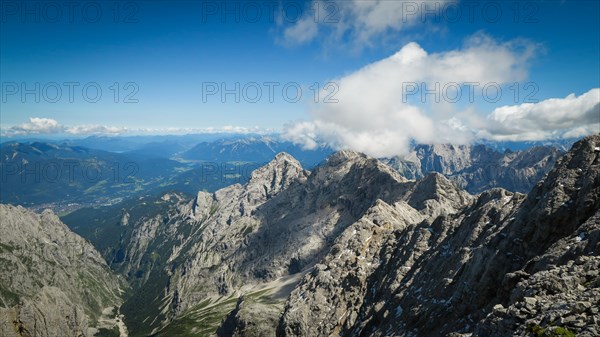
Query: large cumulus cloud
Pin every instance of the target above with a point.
(372, 113)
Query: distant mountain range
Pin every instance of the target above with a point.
(478, 168)
(501, 146)
(40, 173)
(254, 149)
(66, 176)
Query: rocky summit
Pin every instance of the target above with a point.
(351, 248)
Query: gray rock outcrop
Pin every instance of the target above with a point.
(53, 282)
(506, 264)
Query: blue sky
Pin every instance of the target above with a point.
(170, 50)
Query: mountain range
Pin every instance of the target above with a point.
(352, 248)
(478, 168)
(255, 149)
(64, 176)
(39, 173)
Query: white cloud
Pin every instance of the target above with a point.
(371, 115)
(48, 126)
(95, 130)
(38, 126)
(224, 129)
(303, 31)
(567, 117)
(359, 20)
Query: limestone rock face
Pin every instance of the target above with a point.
(250, 319)
(280, 223)
(478, 168)
(52, 282)
(505, 264)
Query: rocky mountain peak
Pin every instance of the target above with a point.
(573, 181)
(354, 169)
(569, 194)
(344, 156)
(438, 194)
(284, 156)
(276, 176)
(435, 182)
(282, 163)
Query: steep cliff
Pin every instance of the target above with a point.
(52, 282)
